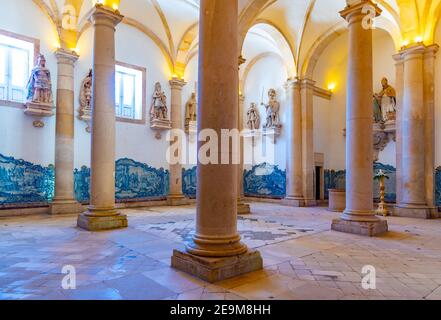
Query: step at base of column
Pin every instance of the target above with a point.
(370, 229)
(243, 208)
(175, 201)
(65, 207)
(217, 269)
(415, 212)
(102, 223)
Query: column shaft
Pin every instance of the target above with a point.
(294, 166)
(216, 252)
(64, 201)
(417, 134)
(307, 96)
(242, 208)
(176, 197)
(359, 216)
(102, 213)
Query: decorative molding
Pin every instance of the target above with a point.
(265, 180)
(322, 93)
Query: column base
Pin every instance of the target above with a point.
(243, 208)
(94, 222)
(310, 202)
(364, 228)
(293, 202)
(65, 207)
(217, 269)
(177, 200)
(419, 212)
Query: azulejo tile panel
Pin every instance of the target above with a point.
(189, 182)
(24, 182)
(438, 186)
(133, 181)
(265, 180)
(337, 180)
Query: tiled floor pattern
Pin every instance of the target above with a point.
(303, 258)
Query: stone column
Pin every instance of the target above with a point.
(216, 252)
(307, 97)
(417, 139)
(242, 207)
(359, 216)
(399, 73)
(102, 214)
(294, 166)
(64, 201)
(176, 197)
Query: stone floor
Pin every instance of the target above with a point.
(303, 258)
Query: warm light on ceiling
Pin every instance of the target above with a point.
(418, 39)
(114, 4)
(332, 86)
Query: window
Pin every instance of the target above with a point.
(16, 62)
(129, 93)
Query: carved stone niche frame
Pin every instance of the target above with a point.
(383, 134)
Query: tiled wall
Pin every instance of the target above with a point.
(337, 180)
(22, 182)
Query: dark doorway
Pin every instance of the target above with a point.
(318, 184)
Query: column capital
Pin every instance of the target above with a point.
(66, 56)
(177, 84)
(418, 49)
(103, 15)
(308, 84)
(292, 83)
(358, 9)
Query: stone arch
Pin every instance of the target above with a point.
(316, 50)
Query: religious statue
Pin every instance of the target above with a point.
(272, 111)
(159, 110)
(253, 117)
(85, 111)
(385, 103)
(191, 109)
(86, 92)
(39, 86)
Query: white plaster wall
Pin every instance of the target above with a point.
(330, 116)
(269, 72)
(134, 141)
(18, 138)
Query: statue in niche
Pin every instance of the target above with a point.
(253, 117)
(159, 110)
(385, 103)
(85, 111)
(39, 86)
(191, 109)
(272, 111)
(86, 92)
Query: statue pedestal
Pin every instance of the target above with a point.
(384, 132)
(86, 116)
(160, 125)
(191, 129)
(253, 135)
(39, 109)
(273, 132)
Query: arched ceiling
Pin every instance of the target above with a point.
(299, 27)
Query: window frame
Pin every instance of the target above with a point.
(143, 71)
(36, 43)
